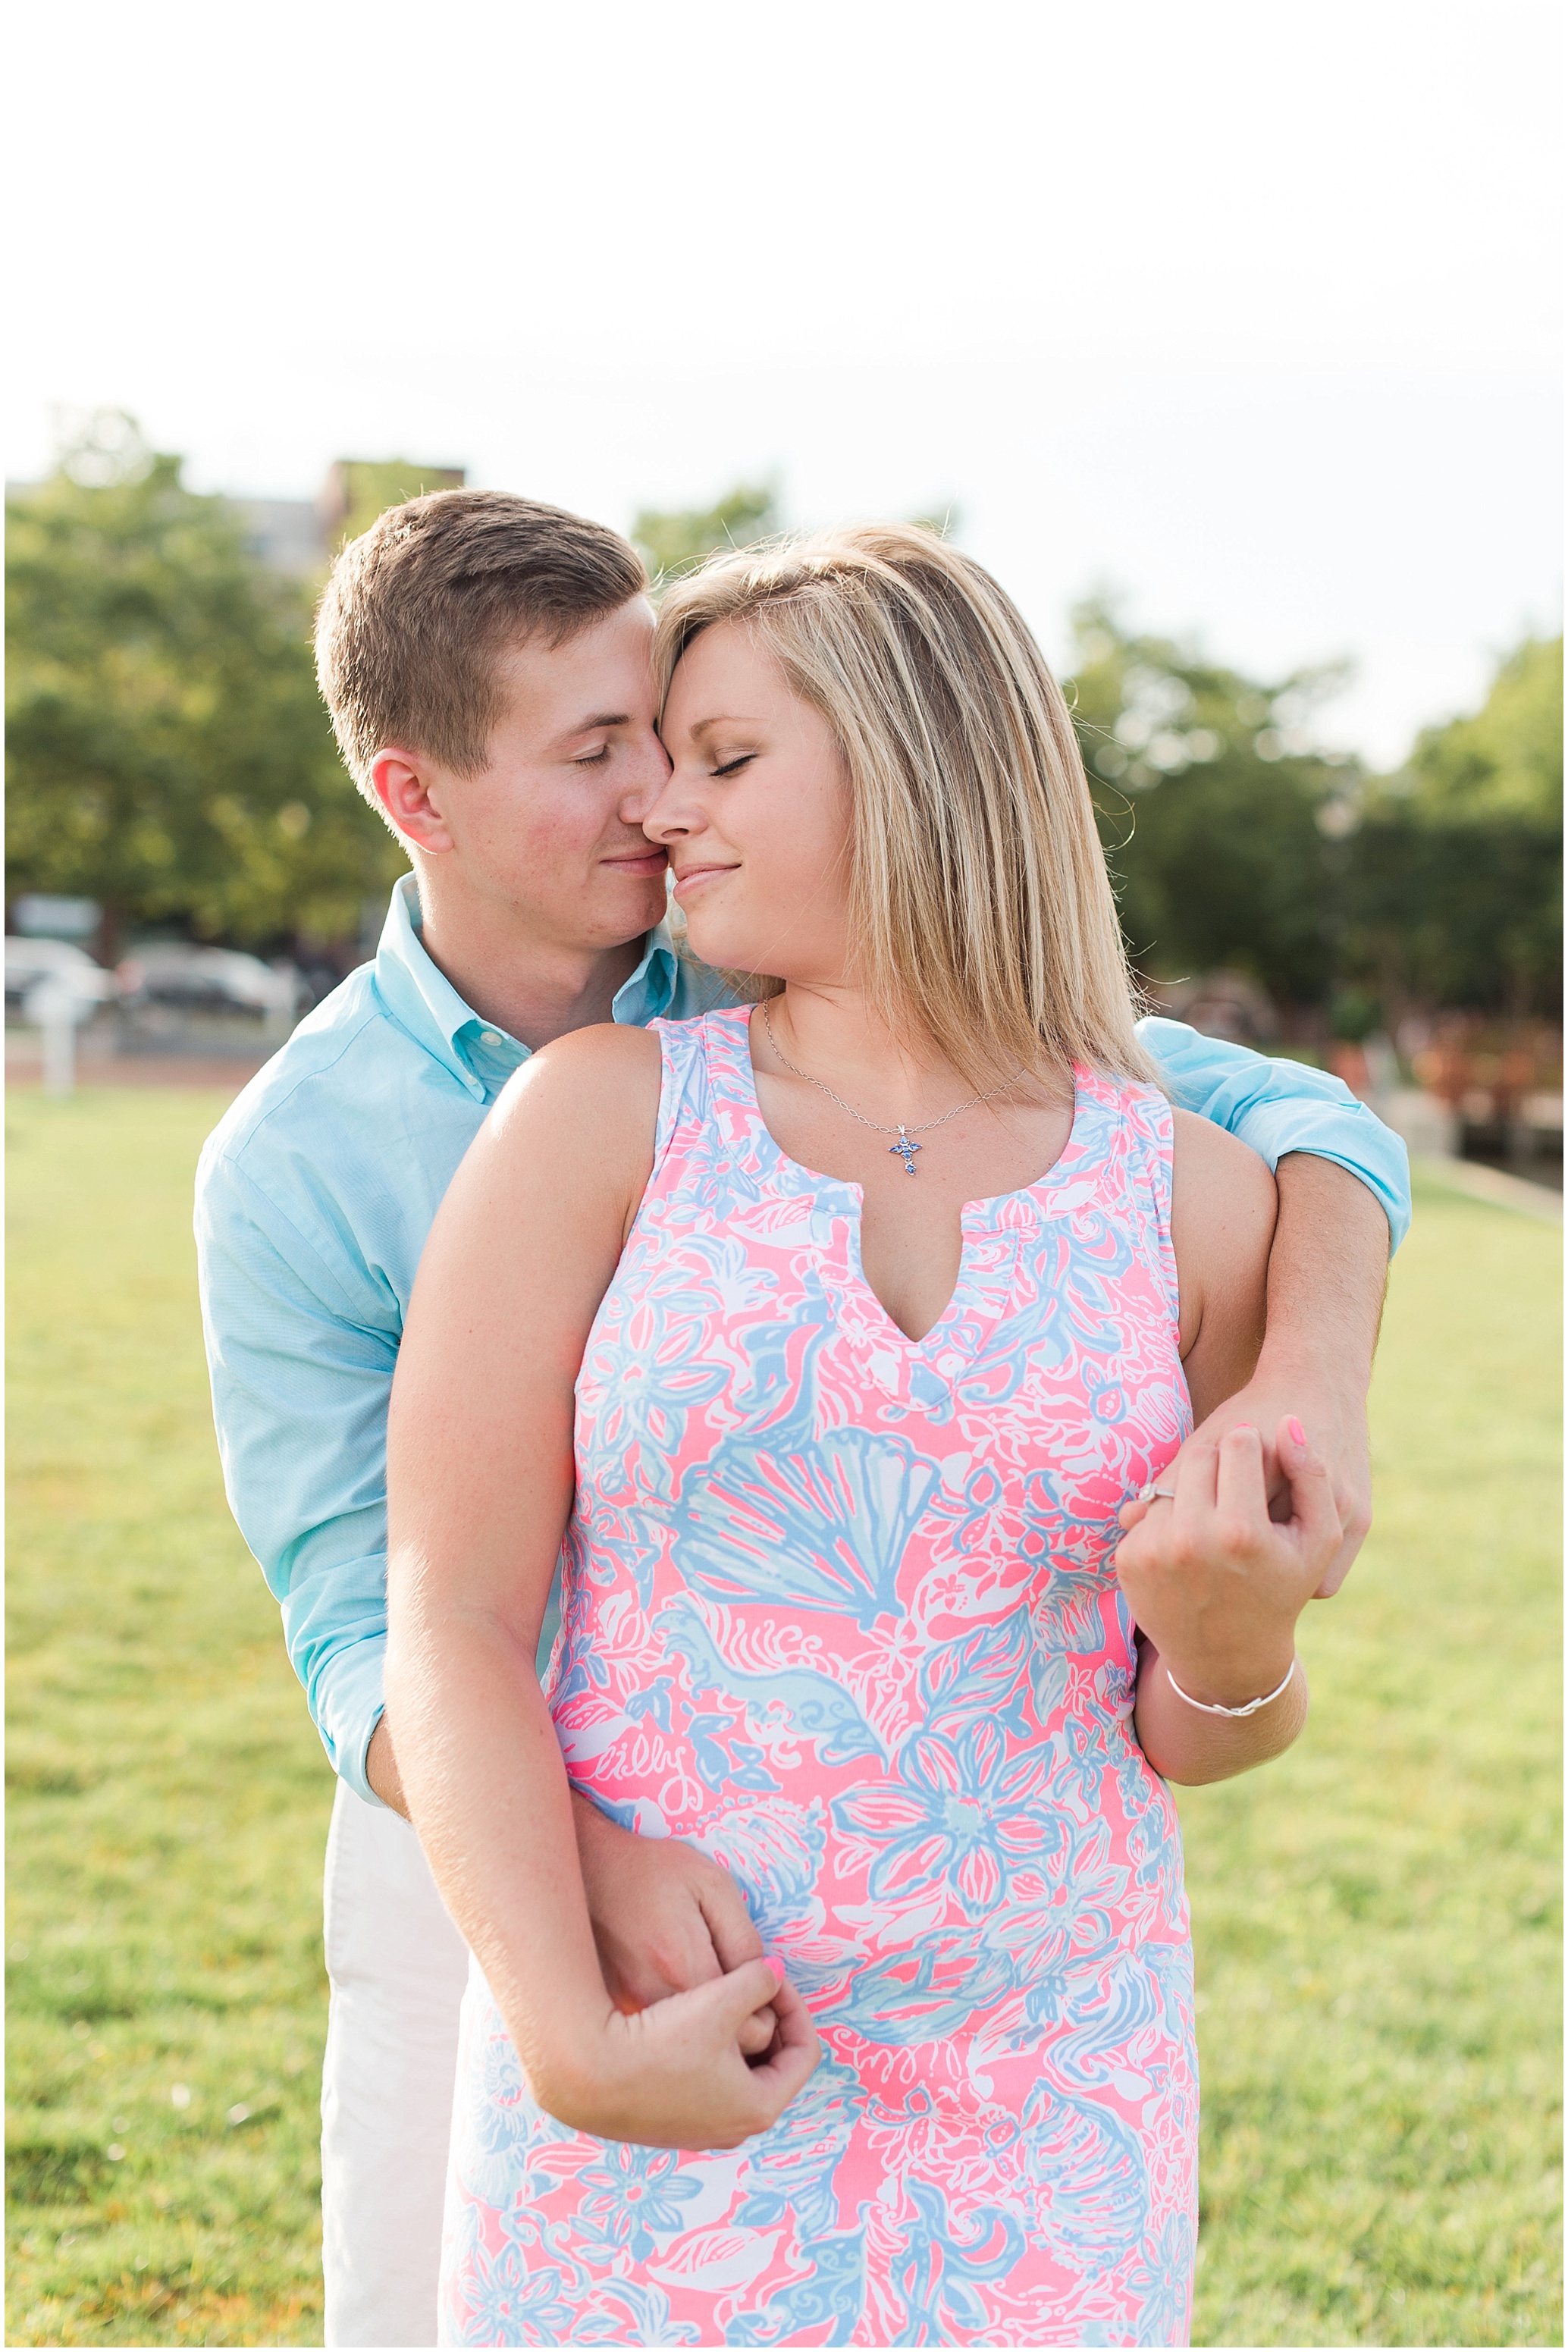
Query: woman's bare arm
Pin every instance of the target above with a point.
(479, 1488)
(1223, 1206)
(1215, 1586)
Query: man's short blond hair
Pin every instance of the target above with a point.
(418, 608)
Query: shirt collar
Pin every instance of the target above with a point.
(422, 999)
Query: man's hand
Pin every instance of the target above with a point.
(1328, 1272)
(665, 1918)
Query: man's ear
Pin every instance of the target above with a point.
(412, 796)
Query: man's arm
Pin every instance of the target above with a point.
(1327, 1274)
(1281, 1106)
(301, 1352)
(1344, 1200)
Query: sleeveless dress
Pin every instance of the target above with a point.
(839, 1609)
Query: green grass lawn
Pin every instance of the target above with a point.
(1375, 1916)
(168, 1798)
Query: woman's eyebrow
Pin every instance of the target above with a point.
(722, 718)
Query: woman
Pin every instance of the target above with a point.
(837, 1340)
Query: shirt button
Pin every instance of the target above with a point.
(489, 1037)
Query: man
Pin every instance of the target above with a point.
(486, 663)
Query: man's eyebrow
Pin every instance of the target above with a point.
(604, 719)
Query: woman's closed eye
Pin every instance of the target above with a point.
(733, 767)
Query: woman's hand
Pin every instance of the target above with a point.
(665, 1918)
(675, 2075)
(1216, 1586)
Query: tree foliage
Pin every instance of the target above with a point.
(673, 542)
(168, 753)
(1213, 805)
(1238, 844)
(1457, 884)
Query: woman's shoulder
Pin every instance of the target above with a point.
(1217, 1170)
(608, 1053)
(591, 1094)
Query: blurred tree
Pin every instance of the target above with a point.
(1456, 885)
(1213, 807)
(1507, 760)
(360, 489)
(168, 753)
(677, 541)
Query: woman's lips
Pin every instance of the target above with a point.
(693, 875)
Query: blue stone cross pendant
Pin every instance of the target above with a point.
(906, 1151)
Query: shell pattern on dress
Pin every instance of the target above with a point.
(839, 1609)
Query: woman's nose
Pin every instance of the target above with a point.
(672, 812)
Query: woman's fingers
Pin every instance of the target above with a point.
(795, 2018)
(1241, 1491)
(787, 2071)
(795, 2051)
(759, 1989)
(756, 2033)
(735, 1941)
(729, 1924)
(1195, 1480)
(749, 2014)
(753, 1986)
(1313, 1508)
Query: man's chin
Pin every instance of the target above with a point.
(631, 904)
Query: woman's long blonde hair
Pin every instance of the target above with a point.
(979, 903)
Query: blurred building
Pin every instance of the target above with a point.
(1228, 1005)
(299, 536)
(285, 534)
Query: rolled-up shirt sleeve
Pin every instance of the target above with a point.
(301, 1354)
(1279, 1106)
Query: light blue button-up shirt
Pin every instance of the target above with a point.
(313, 1200)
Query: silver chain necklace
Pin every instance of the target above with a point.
(905, 1147)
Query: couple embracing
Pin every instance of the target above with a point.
(822, 1310)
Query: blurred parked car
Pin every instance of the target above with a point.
(28, 961)
(190, 979)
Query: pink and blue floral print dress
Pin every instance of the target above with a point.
(839, 1609)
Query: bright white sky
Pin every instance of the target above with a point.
(1250, 311)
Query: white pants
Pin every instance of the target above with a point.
(397, 1969)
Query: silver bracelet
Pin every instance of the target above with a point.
(1252, 1704)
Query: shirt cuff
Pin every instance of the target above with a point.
(1351, 1135)
(349, 1702)
(1277, 1105)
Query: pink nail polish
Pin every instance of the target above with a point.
(1296, 1430)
